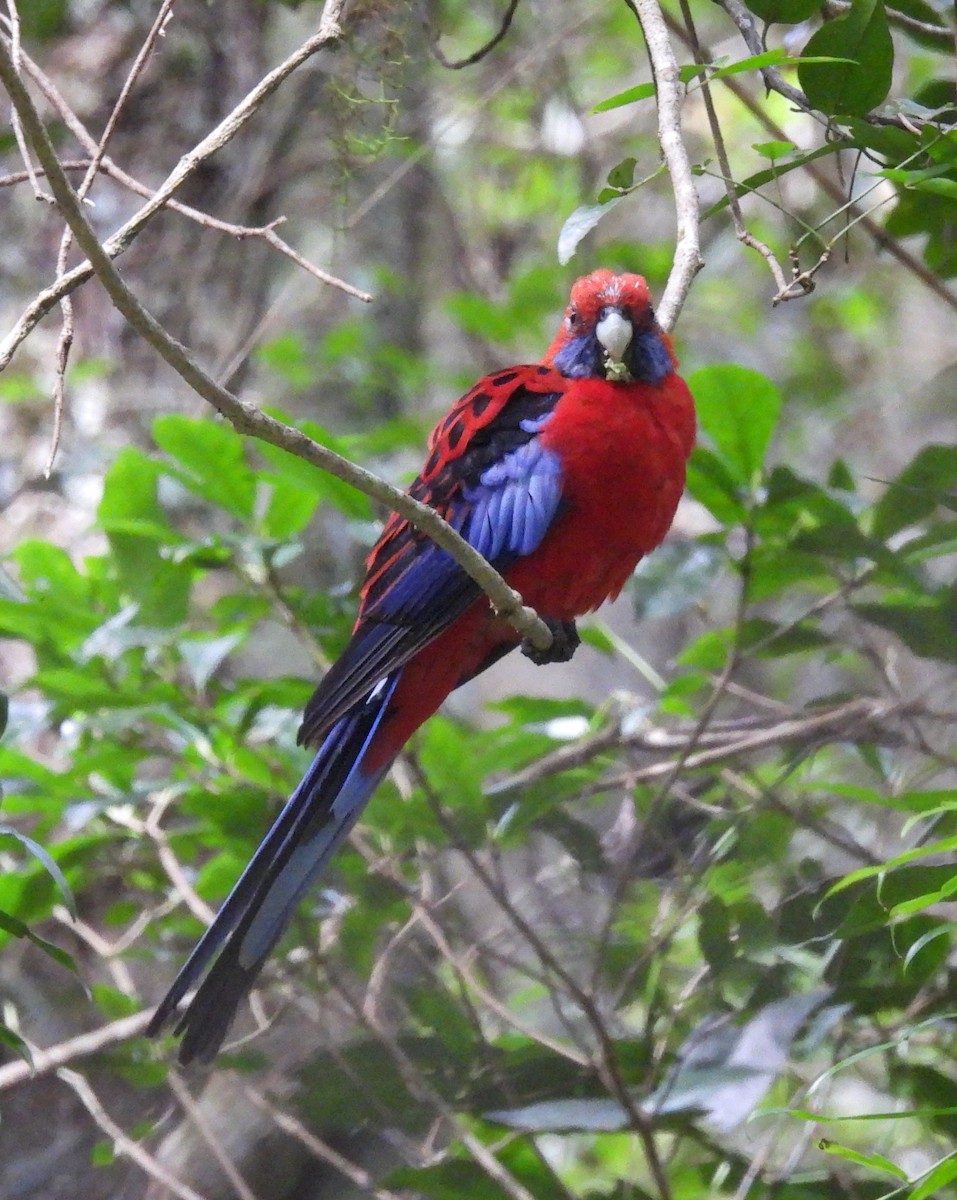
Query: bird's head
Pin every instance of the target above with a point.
(609, 332)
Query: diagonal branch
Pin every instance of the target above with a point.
(246, 418)
(328, 33)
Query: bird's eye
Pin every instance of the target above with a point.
(571, 318)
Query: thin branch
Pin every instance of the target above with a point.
(13, 18)
(246, 418)
(109, 167)
(744, 235)
(457, 64)
(858, 720)
(16, 177)
(195, 1114)
(607, 1062)
(748, 28)
(328, 33)
(878, 234)
(422, 1089)
(942, 34)
(82, 1046)
(664, 66)
(170, 863)
(122, 1142)
(773, 80)
(320, 1149)
(66, 304)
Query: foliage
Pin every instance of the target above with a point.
(681, 927)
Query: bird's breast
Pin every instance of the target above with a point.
(623, 450)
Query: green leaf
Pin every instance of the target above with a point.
(15, 1043)
(772, 173)
(287, 356)
(289, 511)
(863, 37)
(49, 865)
(711, 484)
(876, 1161)
(928, 478)
(937, 1178)
(629, 96)
(581, 222)
(622, 176)
(738, 410)
(773, 150)
(926, 627)
(591, 1115)
(19, 929)
(132, 518)
(211, 459)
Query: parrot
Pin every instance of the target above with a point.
(562, 474)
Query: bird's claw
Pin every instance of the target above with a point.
(565, 641)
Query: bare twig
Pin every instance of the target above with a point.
(420, 1087)
(328, 33)
(109, 167)
(170, 863)
(878, 234)
(687, 260)
(122, 1142)
(246, 418)
(82, 1046)
(858, 720)
(320, 1149)
(942, 34)
(744, 235)
(16, 177)
(457, 64)
(218, 1150)
(13, 18)
(748, 28)
(606, 1060)
(66, 304)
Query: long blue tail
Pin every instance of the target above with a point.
(308, 831)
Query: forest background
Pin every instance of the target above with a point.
(673, 920)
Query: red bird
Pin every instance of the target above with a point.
(563, 475)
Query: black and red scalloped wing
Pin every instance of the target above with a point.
(480, 429)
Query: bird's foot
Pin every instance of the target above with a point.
(565, 641)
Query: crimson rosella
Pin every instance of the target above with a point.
(563, 474)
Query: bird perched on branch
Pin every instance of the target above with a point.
(562, 474)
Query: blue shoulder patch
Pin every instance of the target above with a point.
(514, 502)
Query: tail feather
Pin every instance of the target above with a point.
(312, 825)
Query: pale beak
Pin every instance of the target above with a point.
(614, 331)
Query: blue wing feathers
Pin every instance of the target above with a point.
(515, 501)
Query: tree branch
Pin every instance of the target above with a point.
(456, 64)
(82, 1046)
(664, 66)
(328, 34)
(246, 418)
(864, 719)
(122, 1142)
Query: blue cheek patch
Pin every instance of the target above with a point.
(650, 358)
(581, 358)
(515, 501)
